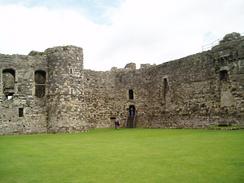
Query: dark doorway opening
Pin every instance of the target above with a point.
(223, 75)
(131, 120)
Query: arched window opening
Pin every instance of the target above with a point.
(131, 94)
(40, 83)
(8, 83)
(223, 75)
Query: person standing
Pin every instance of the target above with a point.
(116, 123)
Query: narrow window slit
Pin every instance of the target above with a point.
(165, 88)
(131, 94)
(21, 112)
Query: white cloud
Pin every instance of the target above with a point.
(141, 31)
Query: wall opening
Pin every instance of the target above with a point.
(9, 96)
(131, 120)
(223, 75)
(40, 83)
(131, 94)
(112, 120)
(165, 88)
(70, 70)
(8, 83)
(132, 111)
(21, 112)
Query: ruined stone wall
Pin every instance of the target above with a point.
(99, 98)
(106, 96)
(229, 59)
(192, 92)
(20, 110)
(180, 93)
(138, 82)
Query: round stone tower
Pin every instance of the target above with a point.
(65, 90)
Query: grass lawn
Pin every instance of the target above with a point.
(125, 155)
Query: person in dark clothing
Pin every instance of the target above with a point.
(116, 123)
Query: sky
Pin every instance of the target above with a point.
(115, 32)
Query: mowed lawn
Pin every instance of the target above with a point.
(124, 155)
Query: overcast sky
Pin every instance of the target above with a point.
(116, 32)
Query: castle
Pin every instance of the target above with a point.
(51, 92)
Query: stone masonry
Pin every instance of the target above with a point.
(51, 92)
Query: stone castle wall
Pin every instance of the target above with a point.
(34, 109)
(192, 92)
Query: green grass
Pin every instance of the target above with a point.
(125, 155)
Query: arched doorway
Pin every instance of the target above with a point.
(131, 120)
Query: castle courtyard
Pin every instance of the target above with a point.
(124, 155)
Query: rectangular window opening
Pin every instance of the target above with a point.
(131, 94)
(21, 112)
